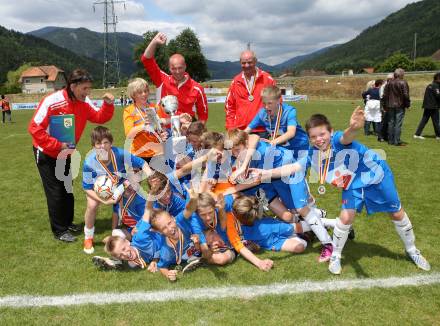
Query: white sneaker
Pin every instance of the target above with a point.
(437, 138)
(192, 264)
(420, 261)
(106, 263)
(418, 137)
(334, 266)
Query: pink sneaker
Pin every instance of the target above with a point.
(326, 253)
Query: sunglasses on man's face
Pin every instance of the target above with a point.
(82, 79)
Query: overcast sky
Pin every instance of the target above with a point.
(278, 30)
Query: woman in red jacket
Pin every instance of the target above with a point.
(53, 156)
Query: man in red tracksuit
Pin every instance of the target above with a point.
(52, 156)
(244, 97)
(190, 94)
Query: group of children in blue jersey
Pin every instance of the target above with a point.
(213, 205)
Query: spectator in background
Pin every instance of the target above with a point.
(431, 106)
(244, 97)
(383, 127)
(395, 101)
(190, 94)
(373, 115)
(6, 108)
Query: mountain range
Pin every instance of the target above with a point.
(73, 47)
(91, 44)
(395, 33)
(18, 48)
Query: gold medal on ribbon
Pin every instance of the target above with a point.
(277, 123)
(250, 88)
(178, 247)
(323, 170)
(111, 175)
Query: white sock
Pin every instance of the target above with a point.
(340, 235)
(329, 222)
(317, 227)
(301, 227)
(89, 233)
(405, 231)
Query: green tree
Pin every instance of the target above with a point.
(425, 64)
(186, 43)
(160, 55)
(397, 60)
(12, 84)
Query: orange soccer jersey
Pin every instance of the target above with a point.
(144, 143)
(233, 231)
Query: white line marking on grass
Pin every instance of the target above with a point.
(246, 292)
(13, 135)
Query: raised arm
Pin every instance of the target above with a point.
(191, 206)
(148, 209)
(148, 61)
(105, 113)
(357, 121)
(159, 39)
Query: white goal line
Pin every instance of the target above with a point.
(214, 293)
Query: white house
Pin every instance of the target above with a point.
(42, 79)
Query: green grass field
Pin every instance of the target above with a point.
(33, 263)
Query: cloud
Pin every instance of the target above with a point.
(277, 30)
(281, 29)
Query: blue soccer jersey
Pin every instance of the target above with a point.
(92, 167)
(176, 205)
(364, 176)
(268, 233)
(267, 156)
(293, 191)
(351, 166)
(133, 212)
(168, 254)
(288, 118)
(199, 227)
(148, 242)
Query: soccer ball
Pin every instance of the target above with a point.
(104, 187)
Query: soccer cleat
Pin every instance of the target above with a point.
(351, 233)
(192, 264)
(326, 253)
(88, 246)
(334, 266)
(106, 263)
(66, 237)
(322, 212)
(419, 260)
(418, 137)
